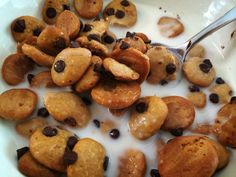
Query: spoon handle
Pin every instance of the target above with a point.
(219, 23)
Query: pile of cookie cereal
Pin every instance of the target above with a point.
(89, 60)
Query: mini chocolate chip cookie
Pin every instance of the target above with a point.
(26, 26)
(197, 98)
(223, 92)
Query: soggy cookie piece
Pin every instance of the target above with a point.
(181, 113)
(120, 71)
(91, 159)
(121, 13)
(115, 94)
(199, 71)
(132, 164)
(15, 67)
(170, 27)
(163, 65)
(17, 104)
(197, 98)
(52, 40)
(188, 156)
(88, 8)
(47, 146)
(67, 108)
(28, 166)
(26, 26)
(147, 117)
(70, 65)
(43, 79)
(53, 8)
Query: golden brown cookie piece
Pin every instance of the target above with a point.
(188, 156)
(223, 92)
(43, 79)
(69, 23)
(28, 127)
(132, 164)
(181, 113)
(17, 104)
(163, 65)
(15, 67)
(197, 98)
(147, 117)
(170, 27)
(47, 146)
(93, 45)
(53, 8)
(197, 51)
(115, 94)
(88, 8)
(199, 71)
(121, 13)
(26, 26)
(106, 126)
(30, 40)
(134, 59)
(91, 157)
(70, 65)
(118, 112)
(119, 70)
(28, 166)
(52, 40)
(91, 77)
(37, 55)
(68, 108)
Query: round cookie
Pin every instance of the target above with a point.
(70, 65)
(147, 117)
(17, 104)
(223, 92)
(115, 94)
(91, 159)
(47, 146)
(88, 8)
(181, 113)
(197, 98)
(53, 8)
(67, 108)
(26, 26)
(188, 156)
(121, 13)
(199, 71)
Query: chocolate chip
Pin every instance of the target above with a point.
(177, 132)
(97, 18)
(43, 112)
(66, 7)
(141, 107)
(163, 82)
(37, 31)
(30, 77)
(19, 26)
(20, 152)
(120, 14)
(74, 44)
(93, 37)
(204, 67)
(60, 43)
(148, 41)
(219, 80)
(81, 26)
(154, 173)
(233, 100)
(69, 157)
(51, 12)
(114, 133)
(71, 142)
(59, 66)
(194, 88)
(110, 11)
(129, 34)
(96, 123)
(49, 131)
(87, 28)
(124, 3)
(170, 68)
(70, 121)
(108, 39)
(214, 98)
(105, 163)
(124, 45)
(86, 100)
(208, 62)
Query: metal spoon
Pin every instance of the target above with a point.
(182, 50)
